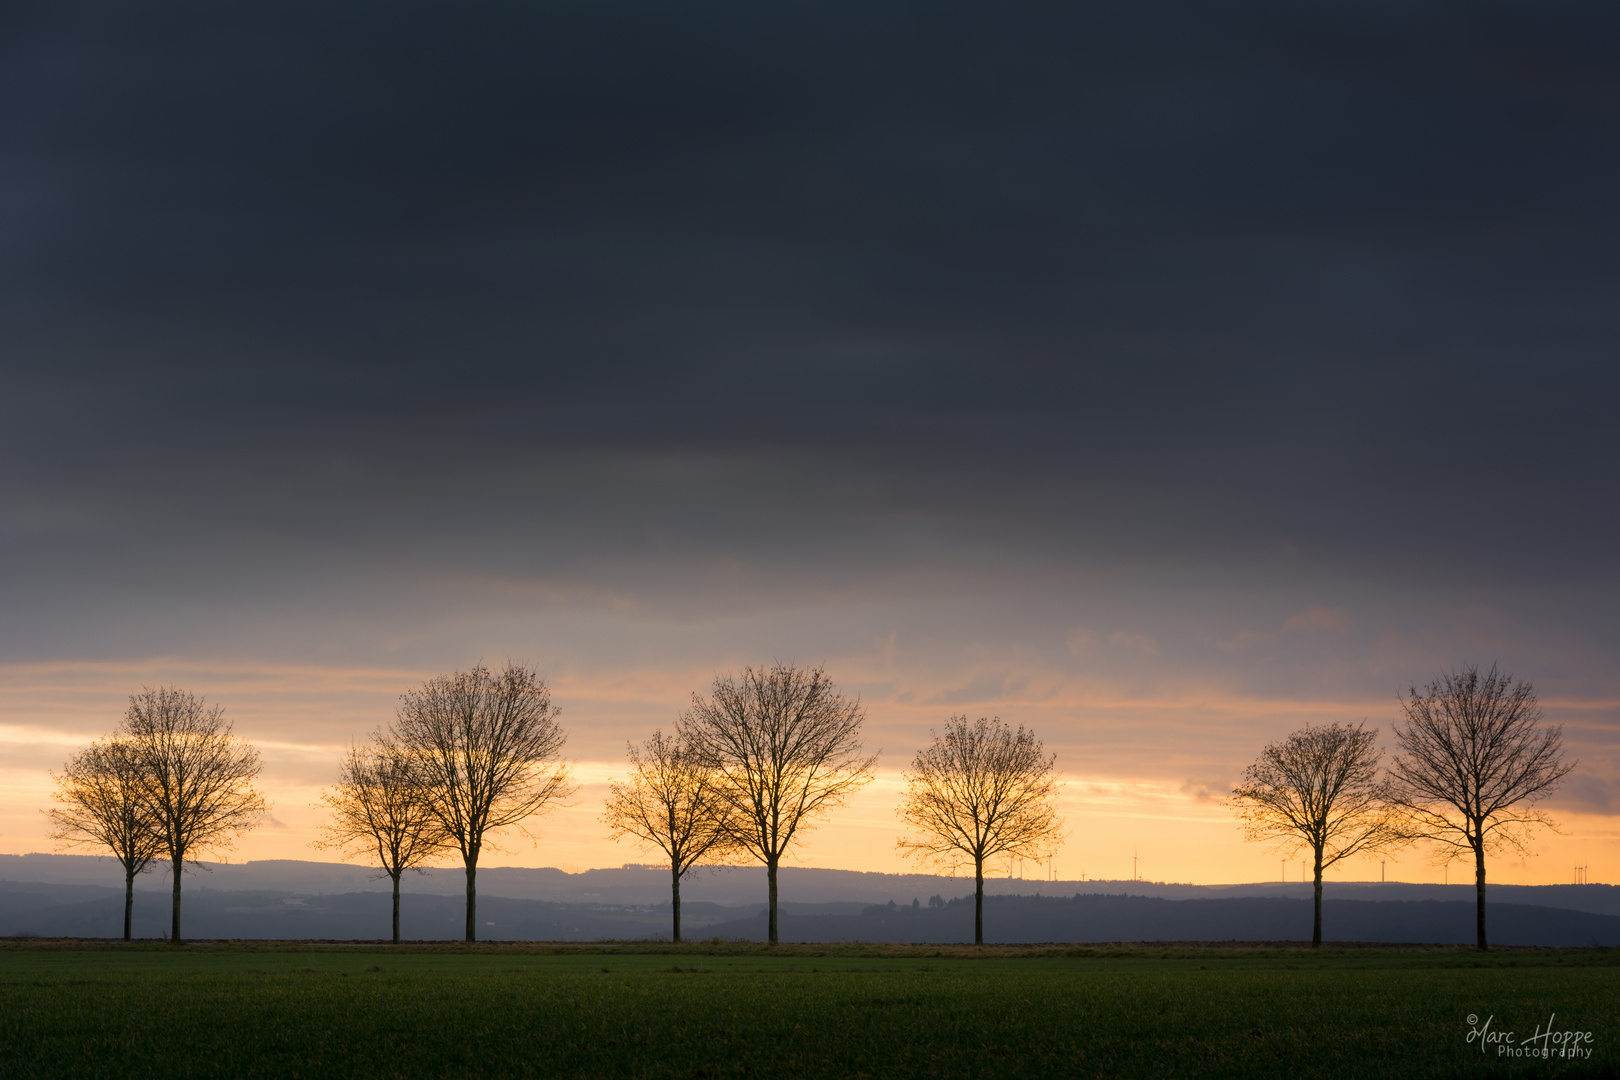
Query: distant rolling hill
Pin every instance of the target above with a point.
(1105, 918)
(635, 885)
(85, 911)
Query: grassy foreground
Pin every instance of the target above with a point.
(273, 1010)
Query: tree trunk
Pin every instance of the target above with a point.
(675, 897)
(129, 899)
(1479, 889)
(395, 876)
(174, 930)
(1316, 929)
(978, 900)
(472, 899)
(770, 876)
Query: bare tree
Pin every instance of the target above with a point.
(380, 811)
(1474, 759)
(485, 746)
(103, 794)
(1319, 789)
(785, 748)
(981, 789)
(197, 776)
(671, 801)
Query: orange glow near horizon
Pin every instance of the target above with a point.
(1143, 773)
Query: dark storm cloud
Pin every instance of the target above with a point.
(371, 281)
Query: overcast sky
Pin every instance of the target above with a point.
(1164, 376)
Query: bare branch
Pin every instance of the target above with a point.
(197, 776)
(1319, 789)
(672, 801)
(381, 812)
(103, 797)
(785, 748)
(485, 746)
(104, 802)
(1474, 759)
(981, 789)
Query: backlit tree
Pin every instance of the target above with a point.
(671, 801)
(196, 777)
(1473, 760)
(485, 746)
(380, 811)
(785, 748)
(104, 803)
(1318, 789)
(981, 789)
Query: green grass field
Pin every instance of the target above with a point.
(723, 1011)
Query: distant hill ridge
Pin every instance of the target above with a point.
(1097, 917)
(86, 911)
(644, 884)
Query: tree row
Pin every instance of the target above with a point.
(763, 757)
(751, 766)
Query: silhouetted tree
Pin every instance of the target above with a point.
(1474, 759)
(785, 747)
(981, 789)
(381, 810)
(105, 803)
(197, 777)
(1320, 789)
(485, 746)
(671, 801)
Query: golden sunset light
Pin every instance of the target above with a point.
(817, 539)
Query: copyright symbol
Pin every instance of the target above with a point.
(1473, 1019)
